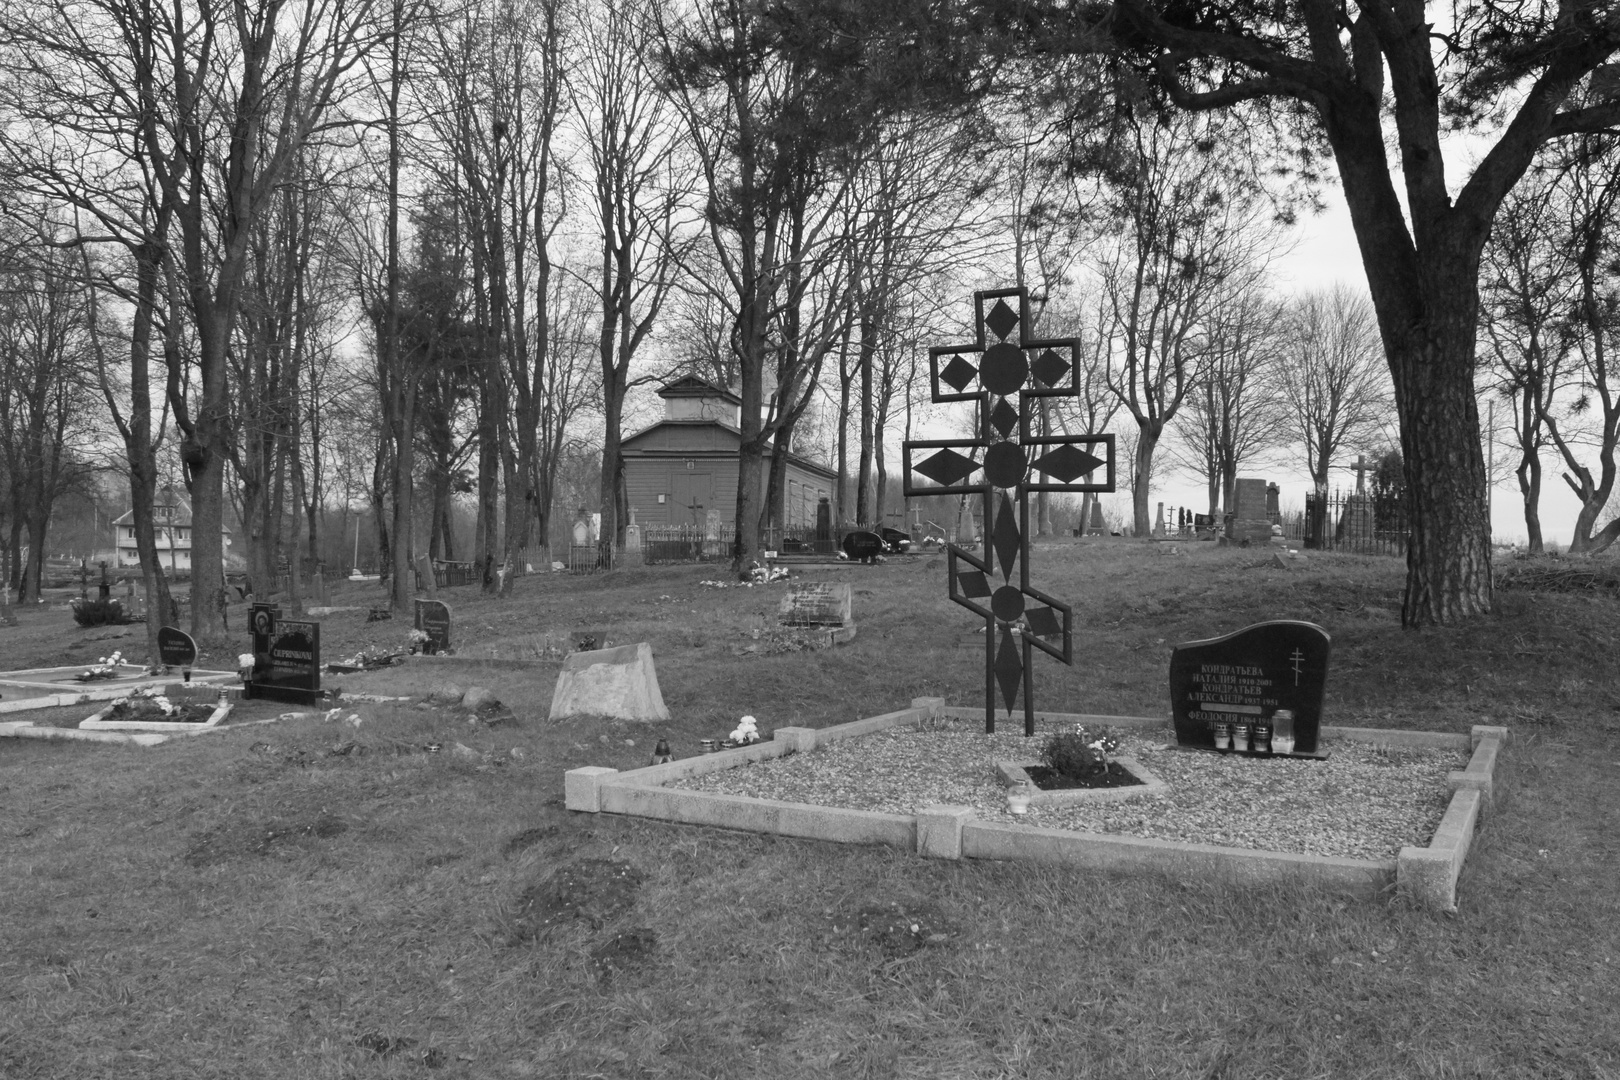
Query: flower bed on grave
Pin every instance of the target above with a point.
(149, 709)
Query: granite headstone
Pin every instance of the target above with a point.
(862, 546)
(433, 619)
(1245, 678)
(286, 658)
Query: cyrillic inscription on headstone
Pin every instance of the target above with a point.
(817, 603)
(1227, 689)
(433, 619)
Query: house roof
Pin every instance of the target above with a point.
(167, 497)
(692, 386)
(798, 459)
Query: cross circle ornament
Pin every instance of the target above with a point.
(1005, 375)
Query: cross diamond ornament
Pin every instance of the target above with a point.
(1004, 462)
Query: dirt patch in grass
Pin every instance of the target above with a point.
(260, 839)
(625, 951)
(891, 930)
(593, 889)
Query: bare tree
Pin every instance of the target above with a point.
(1187, 226)
(1236, 410)
(45, 363)
(640, 184)
(1528, 282)
(1334, 380)
(1591, 210)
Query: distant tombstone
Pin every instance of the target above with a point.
(1273, 502)
(177, 649)
(817, 603)
(1096, 528)
(105, 585)
(712, 524)
(824, 520)
(1244, 679)
(862, 546)
(1249, 522)
(895, 541)
(433, 619)
(582, 529)
(286, 658)
(1158, 524)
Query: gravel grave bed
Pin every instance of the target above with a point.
(1364, 802)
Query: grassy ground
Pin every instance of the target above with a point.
(309, 900)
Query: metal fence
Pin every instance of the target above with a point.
(589, 558)
(682, 543)
(1355, 522)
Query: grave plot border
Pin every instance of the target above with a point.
(1427, 875)
(98, 722)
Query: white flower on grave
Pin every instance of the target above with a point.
(747, 730)
(244, 660)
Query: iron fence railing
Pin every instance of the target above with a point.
(1348, 521)
(683, 543)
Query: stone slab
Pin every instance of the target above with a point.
(621, 683)
(817, 603)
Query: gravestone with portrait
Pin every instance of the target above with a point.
(1256, 691)
(286, 658)
(433, 619)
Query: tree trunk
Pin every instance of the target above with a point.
(1529, 473)
(610, 492)
(1448, 555)
(863, 488)
(1141, 476)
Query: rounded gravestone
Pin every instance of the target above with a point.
(177, 649)
(861, 545)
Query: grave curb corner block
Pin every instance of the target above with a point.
(939, 830)
(582, 787)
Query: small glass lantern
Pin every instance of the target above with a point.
(1019, 796)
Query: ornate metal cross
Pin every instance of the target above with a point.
(1012, 375)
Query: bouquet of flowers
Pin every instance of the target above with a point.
(104, 668)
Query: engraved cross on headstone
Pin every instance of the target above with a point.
(1005, 462)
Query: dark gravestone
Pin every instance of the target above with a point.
(863, 546)
(286, 658)
(1247, 677)
(895, 541)
(176, 649)
(433, 619)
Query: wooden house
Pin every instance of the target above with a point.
(685, 465)
(171, 520)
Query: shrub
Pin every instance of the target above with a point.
(1079, 753)
(99, 612)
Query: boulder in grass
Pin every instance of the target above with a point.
(479, 699)
(445, 693)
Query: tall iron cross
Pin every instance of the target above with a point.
(1005, 462)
